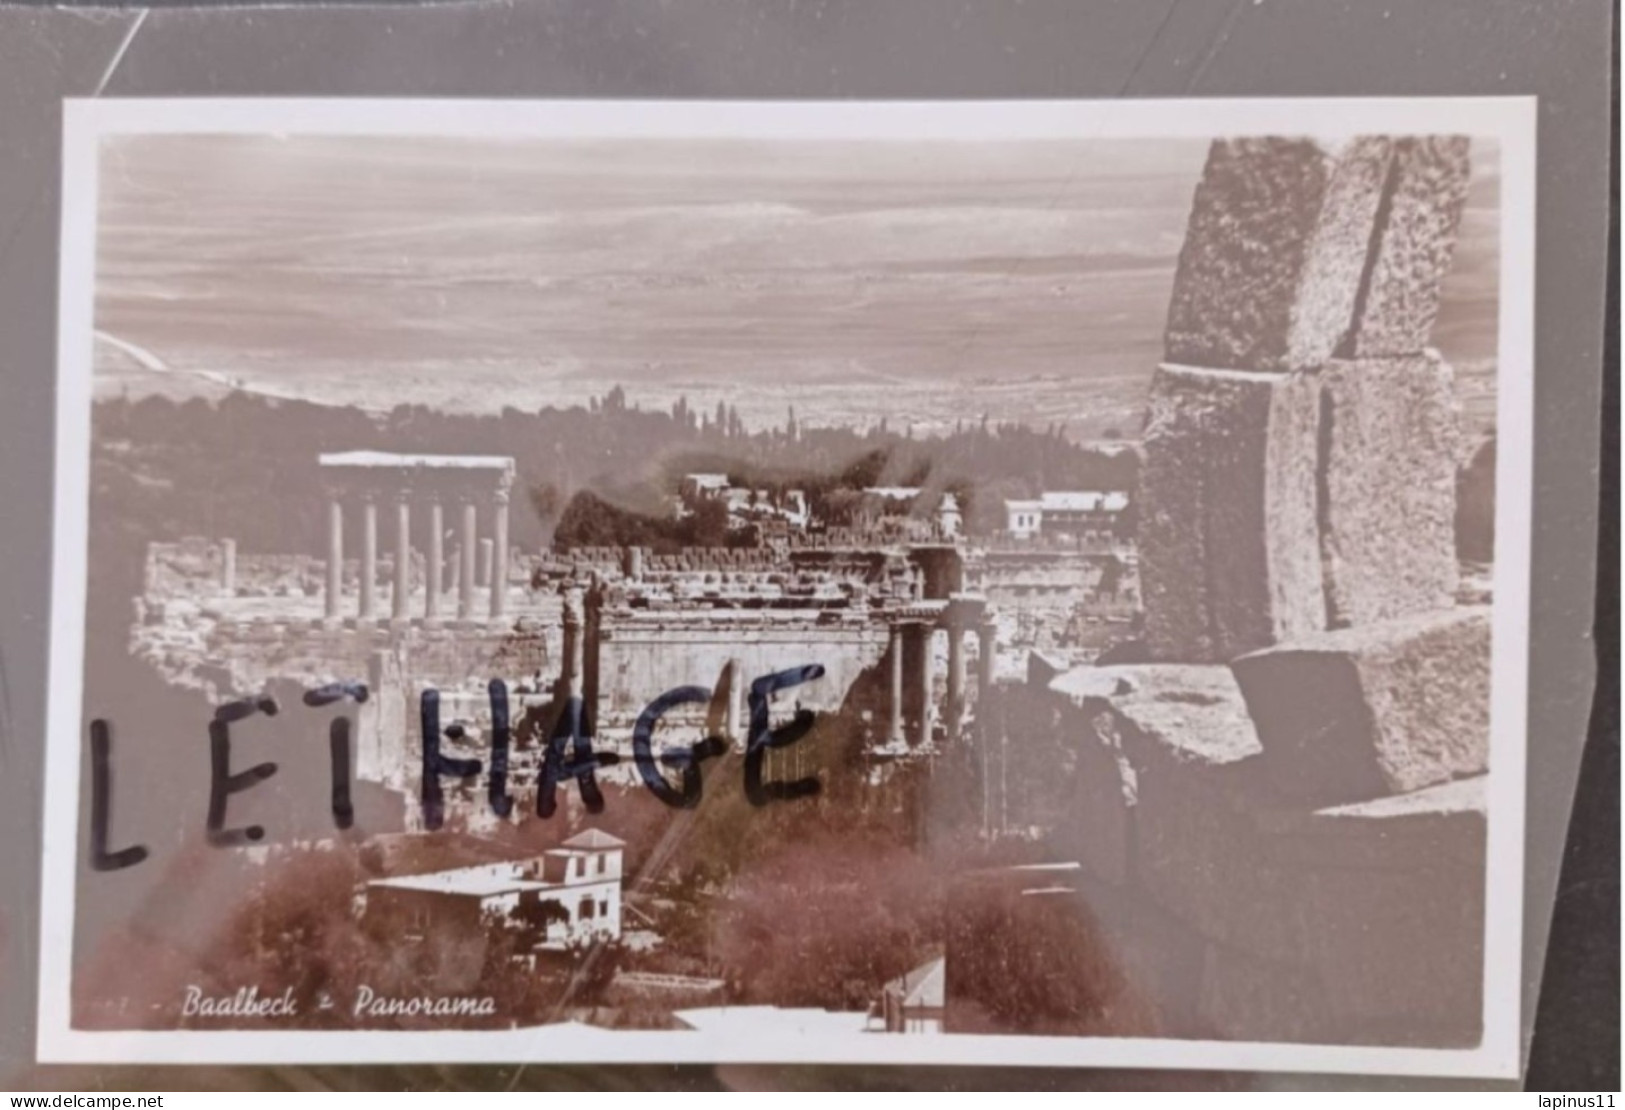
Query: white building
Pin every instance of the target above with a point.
(751, 506)
(903, 494)
(1074, 514)
(745, 505)
(696, 486)
(570, 895)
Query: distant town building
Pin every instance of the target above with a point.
(746, 506)
(697, 486)
(1080, 514)
(752, 506)
(580, 879)
(910, 513)
(903, 494)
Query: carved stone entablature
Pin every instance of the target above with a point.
(471, 482)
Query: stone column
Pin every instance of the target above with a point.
(733, 725)
(335, 560)
(987, 656)
(403, 559)
(369, 555)
(575, 647)
(436, 563)
(465, 580)
(487, 557)
(228, 568)
(499, 552)
(956, 676)
(927, 708)
(894, 731)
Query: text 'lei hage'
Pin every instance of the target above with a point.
(569, 756)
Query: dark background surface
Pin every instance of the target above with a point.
(1172, 49)
(1577, 1023)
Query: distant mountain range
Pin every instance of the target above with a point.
(479, 274)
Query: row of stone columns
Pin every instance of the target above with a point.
(496, 564)
(922, 632)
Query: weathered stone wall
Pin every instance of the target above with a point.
(1107, 584)
(694, 569)
(1280, 823)
(1224, 906)
(227, 658)
(611, 561)
(642, 655)
(197, 569)
(192, 567)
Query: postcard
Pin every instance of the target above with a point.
(893, 582)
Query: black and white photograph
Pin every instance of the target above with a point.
(909, 583)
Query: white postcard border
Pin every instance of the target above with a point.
(1510, 120)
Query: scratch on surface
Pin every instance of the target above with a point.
(27, 208)
(1162, 25)
(1218, 42)
(123, 48)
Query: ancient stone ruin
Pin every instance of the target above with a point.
(1284, 810)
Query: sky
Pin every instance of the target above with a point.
(473, 273)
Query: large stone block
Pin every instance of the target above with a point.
(1475, 503)
(1358, 923)
(1246, 997)
(1420, 215)
(1385, 708)
(1440, 826)
(1060, 772)
(1198, 791)
(1386, 900)
(1275, 252)
(1191, 717)
(1389, 439)
(1228, 544)
(1395, 890)
(1102, 827)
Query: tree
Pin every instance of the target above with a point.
(547, 499)
(593, 967)
(532, 917)
(964, 492)
(708, 525)
(1111, 576)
